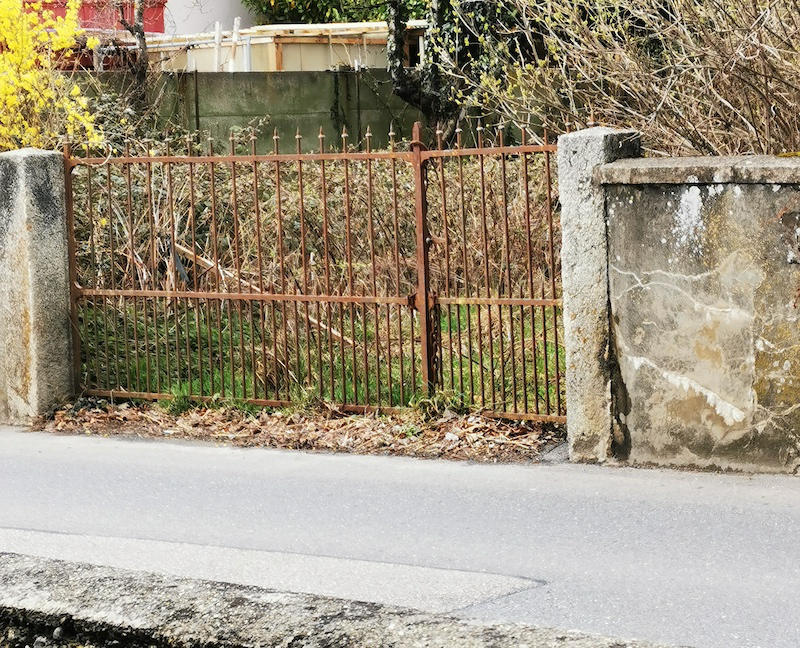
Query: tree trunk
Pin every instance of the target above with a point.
(140, 66)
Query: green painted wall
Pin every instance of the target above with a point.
(292, 100)
(217, 102)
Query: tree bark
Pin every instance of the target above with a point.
(140, 66)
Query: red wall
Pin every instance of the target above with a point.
(102, 14)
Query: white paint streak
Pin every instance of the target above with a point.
(728, 411)
(688, 227)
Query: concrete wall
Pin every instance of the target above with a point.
(291, 100)
(703, 359)
(35, 343)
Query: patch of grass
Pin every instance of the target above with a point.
(180, 401)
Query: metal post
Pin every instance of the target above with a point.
(424, 299)
(73, 268)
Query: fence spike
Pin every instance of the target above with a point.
(321, 138)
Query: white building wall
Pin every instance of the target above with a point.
(199, 16)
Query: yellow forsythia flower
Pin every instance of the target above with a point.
(39, 105)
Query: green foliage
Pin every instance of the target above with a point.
(322, 11)
(180, 401)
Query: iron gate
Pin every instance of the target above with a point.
(371, 279)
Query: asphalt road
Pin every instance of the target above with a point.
(675, 557)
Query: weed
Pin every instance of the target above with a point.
(180, 401)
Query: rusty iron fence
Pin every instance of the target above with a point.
(371, 279)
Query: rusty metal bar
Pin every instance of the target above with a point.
(423, 301)
(73, 268)
(316, 157)
(549, 195)
(352, 156)
(466, 286)
(281, 258)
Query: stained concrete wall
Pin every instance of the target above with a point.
(704, 281)
(35, 348)
(699, 364)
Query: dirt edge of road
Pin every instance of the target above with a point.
(445, 435)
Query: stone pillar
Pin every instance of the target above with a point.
(584, 262)
(35, 346)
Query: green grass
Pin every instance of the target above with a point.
(231, 352)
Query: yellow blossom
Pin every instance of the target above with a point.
(39, 105)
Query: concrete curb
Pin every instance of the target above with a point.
(104, 606)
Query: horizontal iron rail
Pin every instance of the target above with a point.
(312, 157)
(488, 150)
(222, 296)
(496, 301)
(348, 407)
(243, 159)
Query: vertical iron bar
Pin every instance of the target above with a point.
(237, 250)
(217, 277)
(484, 237)
(261, 308)
(326, 254)
(151, 216)
(529, 250)
(172, 253)
(349, 254)
(73, 268)
(193, 222)
(396, 242)
(281, 260)
(446, 227)
(466, 289)
(371, 217)
(509, 287)
(428, 362)
(549, 193)
(112, 269)
(132, 251)
(304, 254)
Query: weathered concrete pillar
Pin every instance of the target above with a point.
(584, 261)
(35, 349)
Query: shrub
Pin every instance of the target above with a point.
(39, 106)
(713, 77)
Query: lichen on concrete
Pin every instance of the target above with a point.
(703, 283)
(108, 608)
